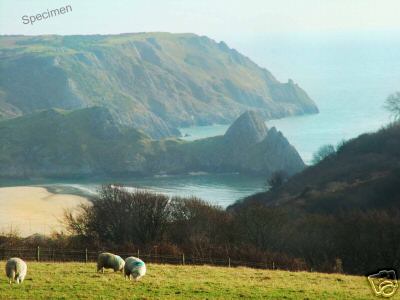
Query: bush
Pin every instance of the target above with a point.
(392, 104)
(323, 152)
(277, 179)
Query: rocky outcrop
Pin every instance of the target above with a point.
(248, 129)
(256, 148)
(154, 82)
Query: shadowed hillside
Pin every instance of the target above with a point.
(57, 143)
(342, 213)
(363, 174)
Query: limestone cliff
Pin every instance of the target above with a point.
(155, 82)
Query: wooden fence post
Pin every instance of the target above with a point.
(38, 253)
(137, 253)
(229, 262)
(86, 255)
(183, 258)
(273, 265)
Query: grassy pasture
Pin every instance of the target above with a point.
(80, 281)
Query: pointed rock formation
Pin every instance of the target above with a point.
(248, 129)
(249, 144)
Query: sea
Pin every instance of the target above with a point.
(348, 75)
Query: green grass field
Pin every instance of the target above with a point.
(80, 281)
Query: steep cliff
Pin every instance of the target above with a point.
(154, 82)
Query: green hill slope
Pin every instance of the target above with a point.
(153, 81)
(90, 142)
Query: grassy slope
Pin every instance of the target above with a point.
(67, 140)
(79, 281)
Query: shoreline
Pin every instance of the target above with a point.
(29, 210)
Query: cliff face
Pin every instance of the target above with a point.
(89, 142)
(154, 82)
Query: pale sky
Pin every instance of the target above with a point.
(218, 19)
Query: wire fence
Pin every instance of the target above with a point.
(85, 256)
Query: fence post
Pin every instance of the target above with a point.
(86, 255)
(273, 265)
(138, 253)
(183, 258)
(38, 253)
(229, 262)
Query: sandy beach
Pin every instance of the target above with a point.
(31, 210)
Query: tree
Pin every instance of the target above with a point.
(200, 227)
(392, 104)
(120, 216)
(277, 179)
(323, 152)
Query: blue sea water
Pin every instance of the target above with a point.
(347, 75)
(217, 189)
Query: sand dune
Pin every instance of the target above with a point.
(32, 210)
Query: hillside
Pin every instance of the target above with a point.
(89, 142)
(363, 174)
(155, 82)
(79, 281)
(342, 213)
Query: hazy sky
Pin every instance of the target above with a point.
(218, 19)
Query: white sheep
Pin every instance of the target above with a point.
(109, 261)
(16, 270)
(134, 267)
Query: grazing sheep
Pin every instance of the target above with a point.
(109, 261)
(135, 267)
(16, 270)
